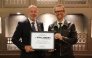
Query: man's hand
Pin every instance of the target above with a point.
(28, 48)
(58, 36)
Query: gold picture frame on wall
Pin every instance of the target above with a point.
(76, 3)
(15, 3)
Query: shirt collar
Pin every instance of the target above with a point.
(31, 20)
(61, 22)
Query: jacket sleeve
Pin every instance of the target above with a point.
(49, 28)
(17, 35)
(72, 39)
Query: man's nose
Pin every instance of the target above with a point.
(33, 12)
(59, 12)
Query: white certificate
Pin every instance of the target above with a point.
(42, 40)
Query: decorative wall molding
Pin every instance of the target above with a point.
(90, 2)
(0, 3)
(15, 3)
(81, 43)
(47, 3)
(76, 3)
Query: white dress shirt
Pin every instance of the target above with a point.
(60, 22)
(35, 24)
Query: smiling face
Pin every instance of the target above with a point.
(59, 12)
(32, 12)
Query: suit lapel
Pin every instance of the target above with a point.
(29, 25)
(39, 26)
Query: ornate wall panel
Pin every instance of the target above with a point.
(75, 3)
(10, 26)
(46, 3)
(90, 2)
(0, 3)
(16, 3)
(80, 22)
(82, 42)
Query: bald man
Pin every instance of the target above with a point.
(23, 30)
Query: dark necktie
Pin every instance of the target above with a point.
(33, 27)
(60, 28)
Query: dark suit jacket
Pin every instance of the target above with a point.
(23, 30)
(69, 35)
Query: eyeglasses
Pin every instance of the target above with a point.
(59, 11)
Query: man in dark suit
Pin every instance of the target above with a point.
(23, 30)
(65, 35)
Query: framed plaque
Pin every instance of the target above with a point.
(42, 40)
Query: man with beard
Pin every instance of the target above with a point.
(65, 35)
(23, 31)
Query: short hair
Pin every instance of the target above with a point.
(59, 5)
(32, 6)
